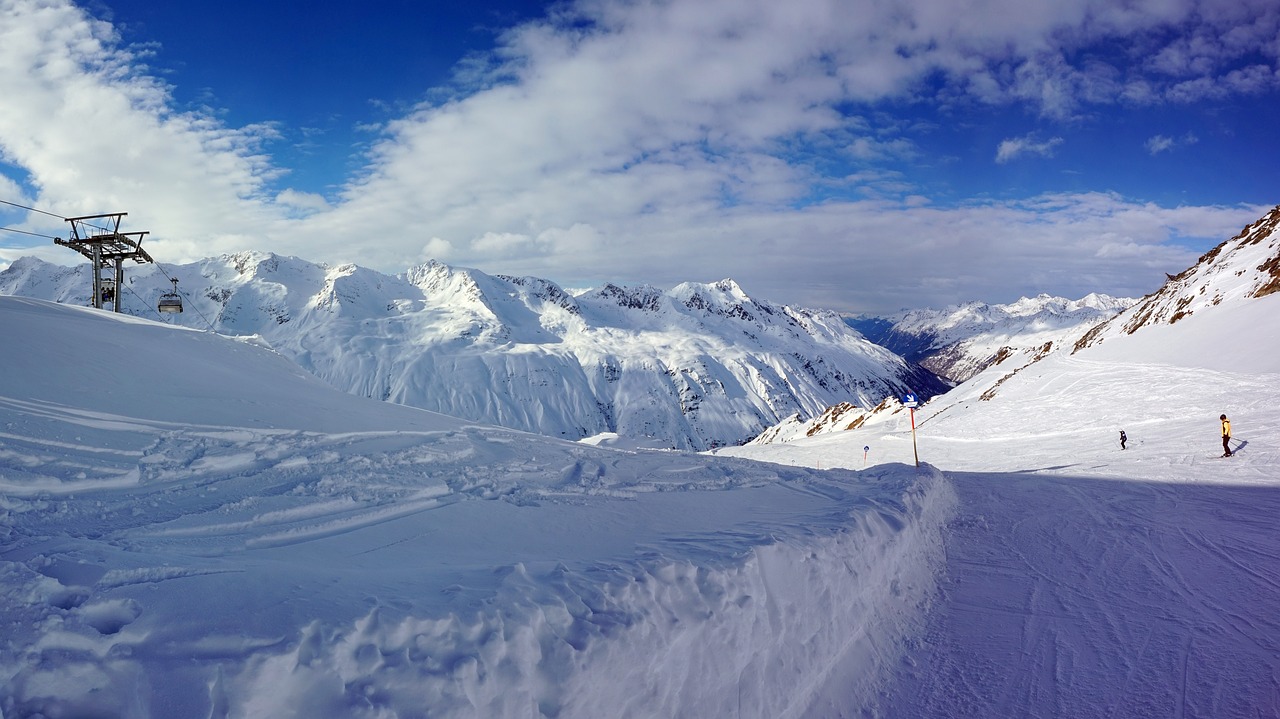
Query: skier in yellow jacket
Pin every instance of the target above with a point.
(1226, 436)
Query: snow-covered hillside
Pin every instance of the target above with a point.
(959, 342)
(699, 366)
(192, 526)
(1089, 580)
(1233, 274)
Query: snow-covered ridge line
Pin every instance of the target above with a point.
(834, 610)
(698, 366)
(839, 418)
(960, 341)
(1245, 267)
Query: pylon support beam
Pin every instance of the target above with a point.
(106, 247)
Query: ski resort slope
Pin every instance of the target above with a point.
(1083, 580)
(190, 526)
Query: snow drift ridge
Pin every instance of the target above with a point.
(827, 617)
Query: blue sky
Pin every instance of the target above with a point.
(851, 154)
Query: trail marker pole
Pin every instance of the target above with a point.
(865, 450)
(910, 402)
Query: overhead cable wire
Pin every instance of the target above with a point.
(32, 209)
(143, 301)
(51, 214)
(36, 234)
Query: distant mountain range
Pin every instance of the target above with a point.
(958, 342)
(695, 367)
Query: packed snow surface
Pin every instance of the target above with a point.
(1086, 580)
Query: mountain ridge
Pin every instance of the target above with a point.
(695, 367)
(1246, 266)
(960, 341)
(1194, 321)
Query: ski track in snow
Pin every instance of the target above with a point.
(1086, 581)
(1071, 596)
(169, 576)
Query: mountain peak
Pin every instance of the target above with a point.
(254, 262)
(700, 366)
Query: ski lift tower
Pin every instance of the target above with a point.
(98, 237)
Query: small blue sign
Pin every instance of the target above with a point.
(909, 400)
(866, 449)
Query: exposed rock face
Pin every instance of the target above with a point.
(1244, 267)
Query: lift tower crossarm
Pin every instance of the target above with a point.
(118, 245)
(108, 244)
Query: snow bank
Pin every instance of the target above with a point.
(808, 611)
(779, 630)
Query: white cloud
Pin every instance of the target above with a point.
(303, 201)
(867, 148)
(650, 141)
(97, 136)
(1163, 143)
(1158, 144)
(436, 249)
(1015, 147)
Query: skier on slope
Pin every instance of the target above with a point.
(1123, 438)
(1226, 436)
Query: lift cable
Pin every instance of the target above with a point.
(51, 214)
(25, 232)
(32, 209)
(167, 274)
(143, 301)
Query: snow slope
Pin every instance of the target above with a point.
(1085, 580)
(273, 564)
(1232, 275)
(192, 526)
(699, 366)
(959, 342)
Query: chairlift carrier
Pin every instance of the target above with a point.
(170, 302)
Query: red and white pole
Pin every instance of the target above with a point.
(914, 449)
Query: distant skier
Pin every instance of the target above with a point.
(1123, 438)
(1226, 436)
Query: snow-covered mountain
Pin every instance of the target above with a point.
(699, 366)
(837, 418)
(960, 341)
(1236, 272)
(1214, 304)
